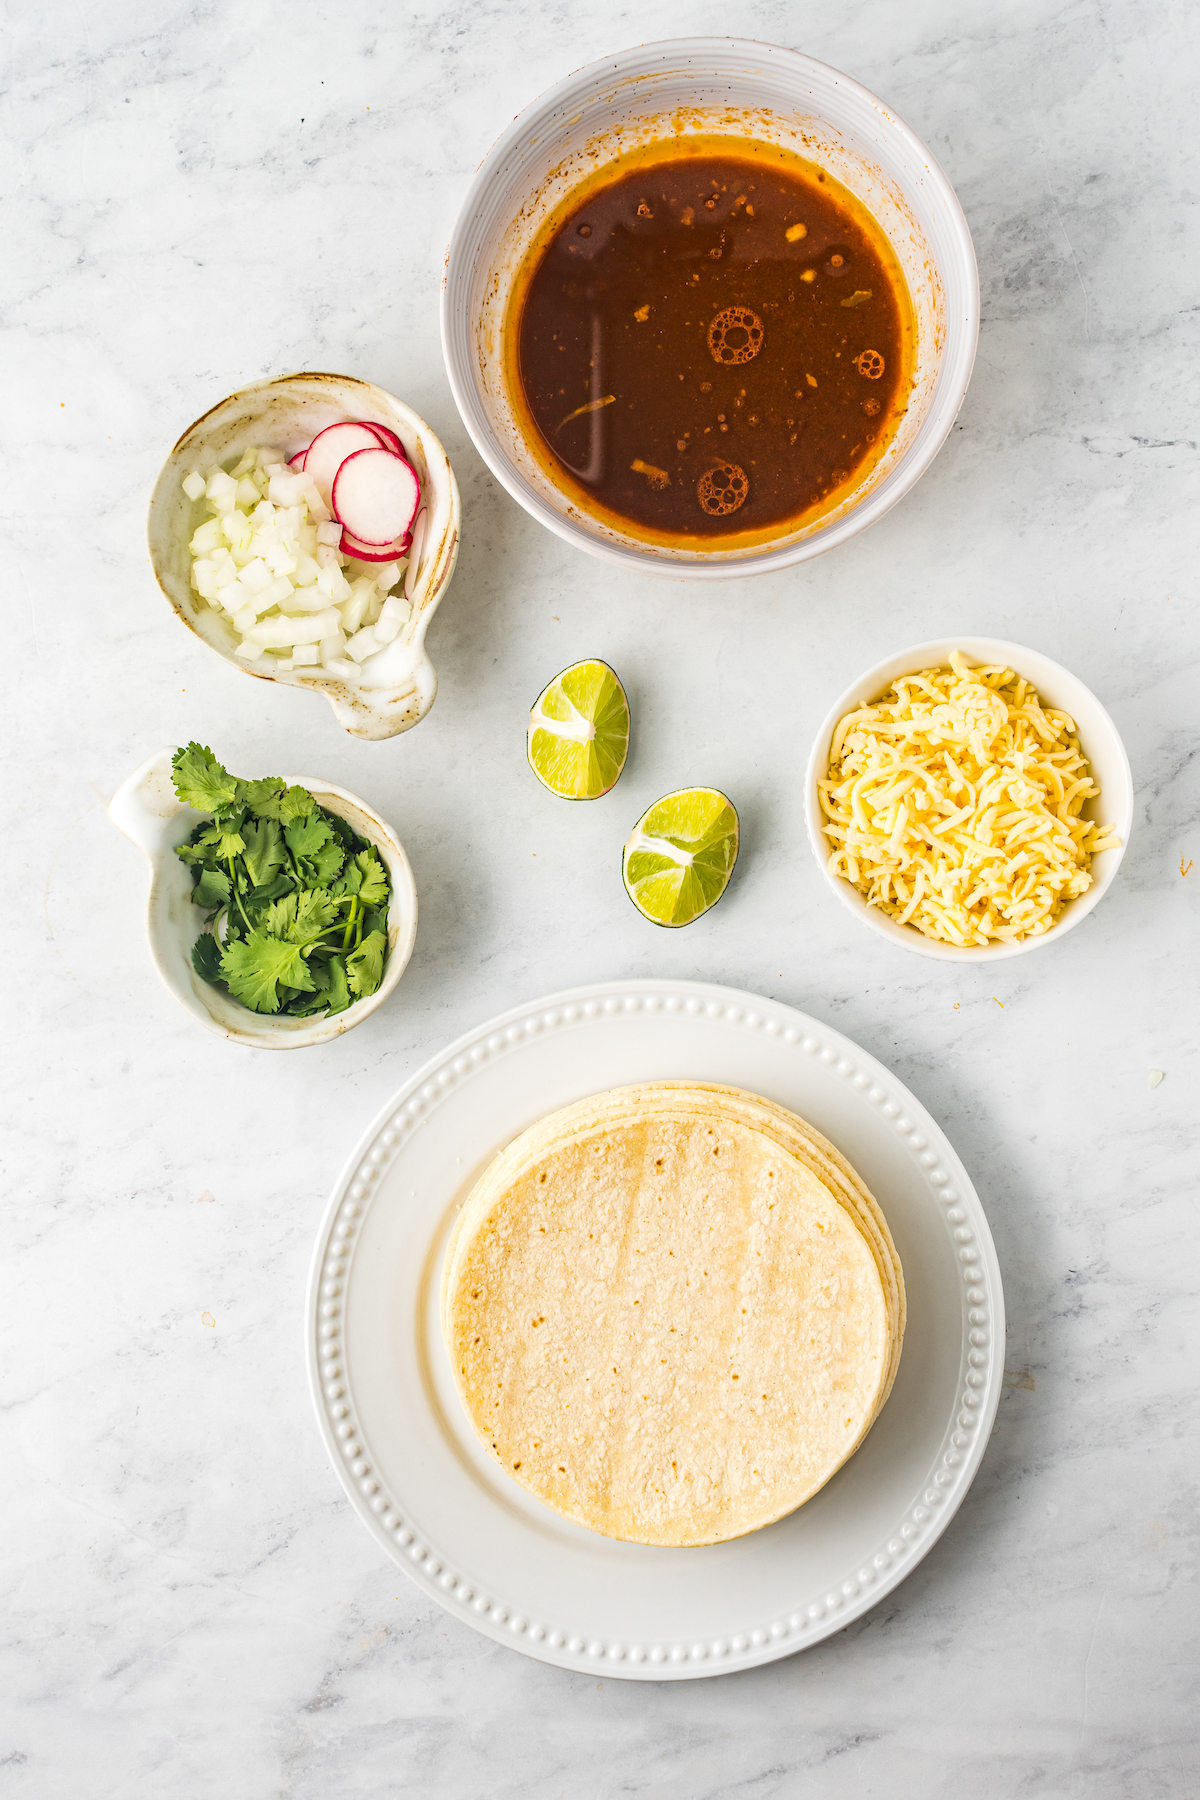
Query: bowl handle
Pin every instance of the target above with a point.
(145, 805)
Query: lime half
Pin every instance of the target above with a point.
(579, 732)
(680, 855)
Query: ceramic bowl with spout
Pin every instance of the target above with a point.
(145, 808)
(395, 688)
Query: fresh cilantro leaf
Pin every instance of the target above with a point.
(312, 843)
(306, 836)
(364, 966)
(212, 889)
(315, 913)
(296, 803)
(280, 917)
(345, 831)
(364, 875)
(224, 836)
(374, 888)
(197, 855)
(235, 926)
(326, 863)
(374, 919)
(200, 781)
(337, 988)
(263, 850)
(274, 890)
(269, 799)
(303, 1006)
(375, 885)
(256, 967)
(206, 958)
(349, 881)
(301, 918)
(263, 797)
(331, 992)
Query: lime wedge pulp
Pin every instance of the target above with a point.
(680, 855)
(579, 732)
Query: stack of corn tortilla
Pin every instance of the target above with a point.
(673, 1311)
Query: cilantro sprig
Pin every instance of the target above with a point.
(297, 902)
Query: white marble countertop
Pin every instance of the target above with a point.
(204, 196)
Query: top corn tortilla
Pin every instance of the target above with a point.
(707, 1099)
(661, 1321)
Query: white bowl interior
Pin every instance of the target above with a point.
(395, 688)
(720, 87)
(146, 810)
(1099, 739)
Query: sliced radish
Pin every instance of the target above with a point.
(376, 495)
(329, 450)
(388, 439)
(380, 553)
(297, 462)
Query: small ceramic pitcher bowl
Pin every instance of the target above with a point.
(396, 687)
(145, 808)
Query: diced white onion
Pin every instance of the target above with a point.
(268, 559)
(277, 592)
(221, 487)
(304, 600)
(364, 643)
(280, 631)
(317, 508)
(398, 608)
(333, 583)
(285, 490)
(256, 575)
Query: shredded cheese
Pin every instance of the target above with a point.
(954, 804)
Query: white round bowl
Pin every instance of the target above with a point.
(725, 87)
(145, 808)
(396, 687)
(1056, 686)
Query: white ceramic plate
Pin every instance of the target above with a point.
(496, 1557)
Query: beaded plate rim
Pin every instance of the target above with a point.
(964, 1439)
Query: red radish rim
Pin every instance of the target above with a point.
(380, 553)
(297, 461)
(347, 473)
(388, 438)
(371, 443)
